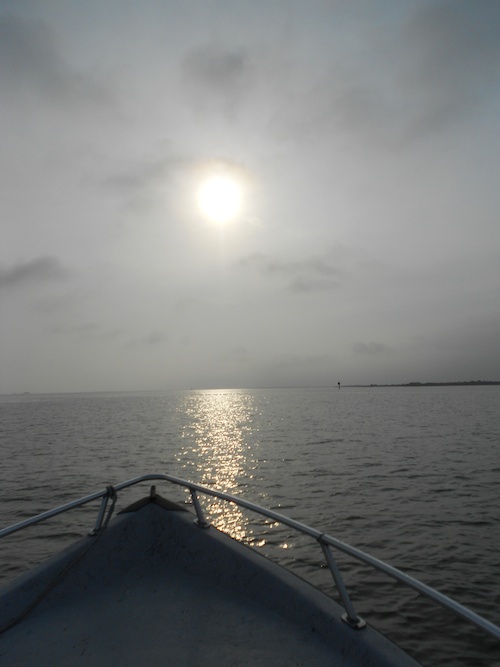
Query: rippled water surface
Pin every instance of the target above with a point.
(409, 474)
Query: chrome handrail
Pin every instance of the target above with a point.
(325, 541)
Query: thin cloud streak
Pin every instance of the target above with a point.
(306, 275)
(41, 269)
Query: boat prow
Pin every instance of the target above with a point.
(154, 588)
(159, 585)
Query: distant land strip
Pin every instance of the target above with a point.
(465, 383)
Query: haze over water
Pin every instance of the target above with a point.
(408, 474)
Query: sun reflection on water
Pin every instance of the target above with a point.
(219, 444)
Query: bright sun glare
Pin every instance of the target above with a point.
(219, 198)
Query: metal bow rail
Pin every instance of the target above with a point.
(326, 542)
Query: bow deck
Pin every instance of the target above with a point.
(154, 588)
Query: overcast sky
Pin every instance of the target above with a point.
(366, 135)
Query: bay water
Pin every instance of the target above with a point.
(408, 474)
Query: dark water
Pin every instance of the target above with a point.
(408, 474)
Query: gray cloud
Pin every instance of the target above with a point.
(151, 338)
(370, 348)
(41, 269)
(150, 173)
(89, 331)
(163, 186)
(212, 75)
(147, 175)
(237, 355)
(452, 60)
(28, 53)
(216, 68)
(457, 46)
(306, 275)
(32, 60)
(440, 68)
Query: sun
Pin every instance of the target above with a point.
(220, 198)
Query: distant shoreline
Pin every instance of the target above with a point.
(468, 383)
